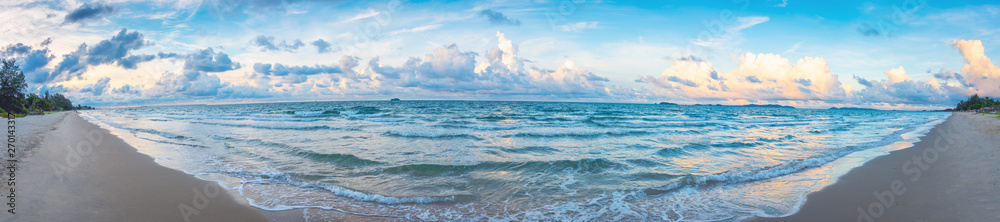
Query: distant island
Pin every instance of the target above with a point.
(394, 99)
(768, 105)
(850, 108)
(667, 103)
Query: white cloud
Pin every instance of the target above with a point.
(979, 72)
(577, 27)
(730, 36)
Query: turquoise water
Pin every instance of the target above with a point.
(502, 161)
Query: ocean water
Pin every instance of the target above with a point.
(513, 161)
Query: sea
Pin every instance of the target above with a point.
(516, 161)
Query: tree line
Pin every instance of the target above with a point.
(14, 100)
(975, 103)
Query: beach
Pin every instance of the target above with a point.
(952, 174)
(72, 170)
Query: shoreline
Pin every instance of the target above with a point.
(951, 174)
(79, 171)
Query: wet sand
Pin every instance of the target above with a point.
(952, 174)
(71, 170)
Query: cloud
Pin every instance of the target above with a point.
(114, 49)
(979, 72)
(899, 88)
(782, 4)
(109, 51)
(31, 61)
(577, 27)
(127, 89)
(267, 43)
(194, 84)
(757, 77)
(724, 35)
(947, 74)
(449, 70)
(207, 60)
(87, 11)
(97, 88)
(497, 18)
(322, 46)
(897, 75)
(278, 69)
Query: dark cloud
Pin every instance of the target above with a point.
(321, 46)
(682, 81)
(266, 43)
(87, 11)
(32, 61)
(207, 60)
(109, 51)
(132, 61)
(863, 81)
(498, 18)
(114, 49)
(947, 74)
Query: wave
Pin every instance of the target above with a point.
(582, 165)
(794, 166)
(431, 135)
(286, 179)
(266, 127)
(532, 149)
(591, 134)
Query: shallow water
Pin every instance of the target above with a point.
(465, 160)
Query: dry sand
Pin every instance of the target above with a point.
(959, 180)
(72, 170)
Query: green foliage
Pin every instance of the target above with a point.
(975, 102)
(14, 100)
(12, 86)
(61, 102)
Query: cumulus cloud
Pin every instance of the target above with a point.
(267, 43)
(497, 18)
(757, 77)
(31, 60)
(207, 60)
(979, 72)
(899, 88)
(448, 69)
(109, 51)
(87, 11)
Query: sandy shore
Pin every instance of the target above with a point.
(952, 174)
(71, 170)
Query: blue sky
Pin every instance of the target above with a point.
(901, 54)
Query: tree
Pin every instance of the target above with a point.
(61, 102)
(12, 86)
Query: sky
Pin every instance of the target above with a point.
(884, 54)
